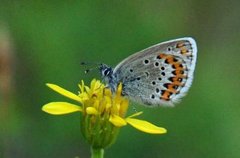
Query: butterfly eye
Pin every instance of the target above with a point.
(106, 72)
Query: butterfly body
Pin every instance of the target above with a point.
(157, 76)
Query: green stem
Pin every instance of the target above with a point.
(97, 153)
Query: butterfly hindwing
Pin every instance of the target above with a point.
(160, 74)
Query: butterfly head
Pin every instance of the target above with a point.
(109, 77)
(106, 72)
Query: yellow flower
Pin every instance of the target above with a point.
(103, 113)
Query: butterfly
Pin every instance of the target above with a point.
(156, 76)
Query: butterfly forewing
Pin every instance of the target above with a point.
(159, 75)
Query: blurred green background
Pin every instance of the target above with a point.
(44, 42)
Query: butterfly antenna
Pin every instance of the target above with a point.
(88, 70)
(95, 64)
(89, 63)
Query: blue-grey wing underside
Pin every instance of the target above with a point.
(159, 75)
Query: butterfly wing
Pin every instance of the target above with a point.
(159, 75)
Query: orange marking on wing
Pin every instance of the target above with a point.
(182, 47)
(180, 76)
(166, 95)
(171, 60)
(184, 50)
(179, 45)
(173, 79)
(162, 56)
(177, 83)
(180, 71)
(171, 89)
(177, 65)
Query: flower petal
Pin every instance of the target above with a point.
(136, 114)
(59, 108)
(81, 86)
(91, 111)
(64, 92)
(145, 126)
(119, 89)
(117, 121)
